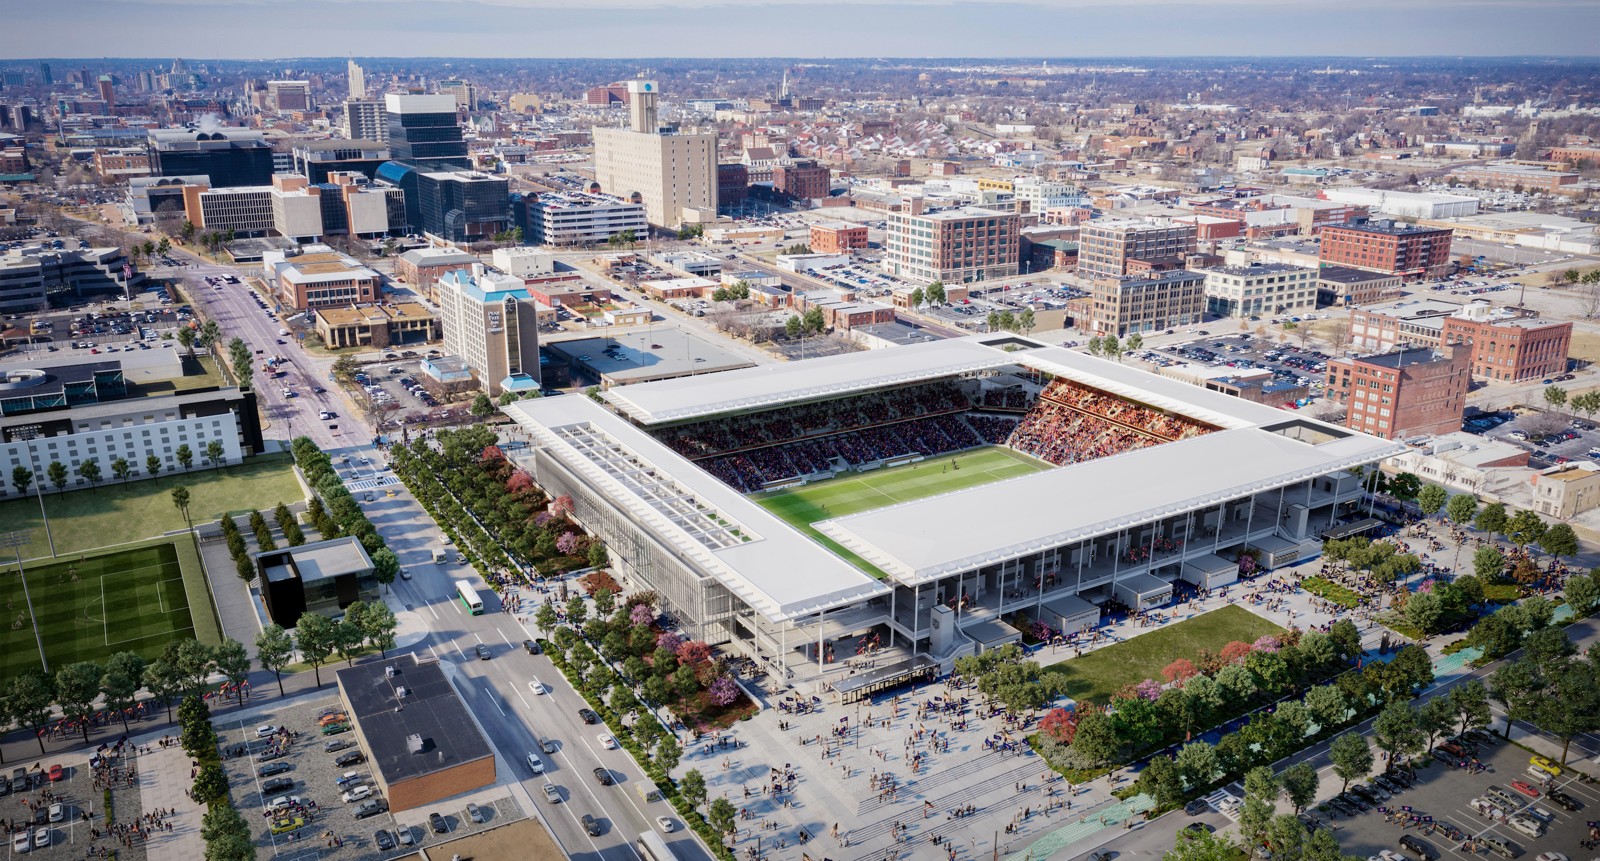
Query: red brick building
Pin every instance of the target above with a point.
(733, 184)
(608, 95)
(1412, 253)
(837, 237)
(1403, 393)
(1510, 350)
(803, 180)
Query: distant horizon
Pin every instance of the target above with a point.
(844, 29)
(1016, 58)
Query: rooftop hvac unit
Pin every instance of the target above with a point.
(414, 743)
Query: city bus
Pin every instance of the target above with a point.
(468, 597)
(652, 848)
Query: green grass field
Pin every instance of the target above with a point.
(89, 607)
(114, 512)
(802, 506)
(1099, 674)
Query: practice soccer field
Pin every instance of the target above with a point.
(857, 492)
(88, 608)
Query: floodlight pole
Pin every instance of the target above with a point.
(15, 540)
(29, 434)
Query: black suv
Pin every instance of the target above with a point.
(1420, 847)
(591, 825)
(382, 839)
(437, 823)
(531, 646)
(1566, 801)
(276, 785)
(354, 757)
(588, 715)
(274, 768)
(603, 775)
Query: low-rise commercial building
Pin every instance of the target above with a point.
(1105, 248)
(1341, 285)
(1401, 394)
(574, 218)
(121, 163)
(1566, 490)
(322, 577)
(492, 323)
(835, 237)
(421, 267)
(319, 277)
(377, 325)
(29, 272)
(1259, 289)
(419, 737)
(1519, 177)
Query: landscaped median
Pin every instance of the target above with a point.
(1328, 590)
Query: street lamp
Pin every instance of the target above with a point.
(28, 434)
(15, 541)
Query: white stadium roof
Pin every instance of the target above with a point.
(1257, 448)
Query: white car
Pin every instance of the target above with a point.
(265, 730)
(607, 741)
(1551, 856)
(58, 812)
(41, 838)
(283, 801)
(356, 793)
(21, 843)
(665, 823)
(536, 686)
(553, 795)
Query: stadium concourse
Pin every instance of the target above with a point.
(1125, 486)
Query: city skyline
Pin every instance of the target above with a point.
(692, 28)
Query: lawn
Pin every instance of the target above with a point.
(89, 606)
(116, 513)
(802, 506)
(1099, 674)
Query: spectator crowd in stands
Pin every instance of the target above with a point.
(1072, 424)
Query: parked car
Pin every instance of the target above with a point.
(270, 769)
(1525, 788)
(437, 824)
(1418, 847)
(475, 813)
(382, 840)
(276, 785)
(370, 807)
(1545, 765)
(1565, 801)
(359, 792)
(354, 757)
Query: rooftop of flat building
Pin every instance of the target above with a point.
(1387, 228)
(1257, 269)
(412, 719)
(1347, 275)
(1404, 358)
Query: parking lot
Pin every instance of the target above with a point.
(53, 826)
(1286, 361)
(1517, 810)
(302, 791)
(1550, 438)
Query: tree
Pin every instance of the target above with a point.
(120, 682)
(935, 293)
(1491, 519)
(190, 660)
(180, 500)
(1488, 563)
(211, 784)
(317, 639)
(1326, 705)
(545, 617)
(233, 662)
(597, 556)
(1161, 780)
(1432, 499)
(345, 368)
(57, 473)
(1135, 343)
(1571, 705)
(121, 469)
(185, 456)
(693, 787)
(21, 478)
(1555, 396)
(1111, 348)
(722, 815)
(89, 470)
(1395, 730)
(274, 650)
(28, 697)
(1260, 790)
(348, 638)
(385, 566)
(1026, 321)
(1424, 611)
(1461, 508)
(1095, 741)
(1196, 761)
(482, 407)
(161, 680)
(186, 338)
(917, 297)
(77, 687)
(1194, 844)
(1516, 686)
(378, 625)
(1300, 785)
(1405, 486)
(1582, 595)
(1559, 540)
(1435, 718)
(1352, 758)
(1526, 527)
(215, 451)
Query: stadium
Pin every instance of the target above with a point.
(919, 503)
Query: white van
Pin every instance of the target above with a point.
(440, 556)
(535, 763)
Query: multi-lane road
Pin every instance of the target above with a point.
(496, 690)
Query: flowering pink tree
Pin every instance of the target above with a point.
(641, 614)
(669, 641)
(1149, 689)
(519, 482)
(1265, 643)
(561, 506)
(493, 453)
(568, 543)
(723, 691)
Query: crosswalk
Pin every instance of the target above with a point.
(374, 483)
(1054, 841)
(1224, 802)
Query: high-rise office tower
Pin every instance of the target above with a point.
(44, 74)
(466, 94)
(668, 171)
(423, 131)
(358, 79)
(107, 90)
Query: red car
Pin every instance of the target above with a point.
(56, 773)
(1525, 788)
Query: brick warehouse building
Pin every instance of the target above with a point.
(953, 245)
(1403, 393)
(803, 180)
(415, 730)
(1507, 344)
(1412, 253)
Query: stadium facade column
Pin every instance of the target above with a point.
(822, 633)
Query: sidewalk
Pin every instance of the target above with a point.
(164, 785)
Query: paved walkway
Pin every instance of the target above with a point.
(163, 785)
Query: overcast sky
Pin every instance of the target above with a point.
(250, 29)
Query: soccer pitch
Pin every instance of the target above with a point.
(857, 492)
(88, 608)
